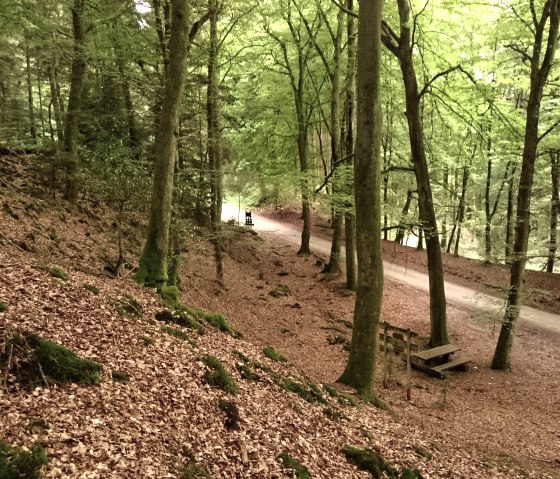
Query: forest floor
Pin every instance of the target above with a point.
(480, 424)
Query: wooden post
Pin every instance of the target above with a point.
(385, 329)
(408, 386)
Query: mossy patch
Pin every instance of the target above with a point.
(180, 318)
(246, 372)
(215, 320)
(300, 471)
(16, 463)
(54, 271)
(127, 305)
(120, 376)
(369, 461)
(218, 375)
(170, 296)
(411, 474)
(3, 307)
(271, 353)
(62, 365)
(330, 390)
(334, 413)
(347, 400)
(147, 340)
(304, 391)
(195, 471)
(91, 288)
(177, 333)
(232, 413)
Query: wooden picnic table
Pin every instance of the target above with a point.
(436, 361)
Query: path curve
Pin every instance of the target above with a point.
(455, 294)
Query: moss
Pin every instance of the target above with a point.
(170, 296)
(62, 365)
(232, 413)
(127, 306)
(411, 474)
(54, 271)
(347, 400)
(16, 463)
(177, 333)
(246, 372)
(271, 353)
(181, 318)
(195, 471)
(300, 471)
(305, 392)
(91, 288)
(218, 376)
(369, 461)
(3, 307)
(120, 376)
(330, 389)
(147, 340)
(334, 413)
(423, 452)
(242, 356)
(219, 322)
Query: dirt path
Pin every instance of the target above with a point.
(458, 295)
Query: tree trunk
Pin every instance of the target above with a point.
(349, 219)
(32, 126)
(399, 237)
(444, 219)
(438, 315)
(554, 209)
(539, 76)
(488, 218)
(152, 269)
(215, 142)
(461, 212)
(509, 215)
(40, 94)
(133, 136)
(74, 103)
(360, 369)
(56, 105)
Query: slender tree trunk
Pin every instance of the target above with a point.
(32, 126)
(540, 70)
(360, 369)
(349, 218)
(56, 106)
(133, 136)
(152, 270)
(438, 314)
(40, 93)
(554, 209)
(445, 214)
(509, 215)
(461, 212)
(215, 142)
(399, 237)
(488, 218)
(74, 103)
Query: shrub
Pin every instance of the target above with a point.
(271, 353)
(15, 463)
(181, 318)
(218, 376)
(231, 411)
(127, 306)
(219, 322)
(299, 469)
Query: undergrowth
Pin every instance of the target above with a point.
(300, 471)
(16, 463)
(271, 353)
(218, 375)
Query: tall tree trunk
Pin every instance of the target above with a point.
(399, 237)
(445, 214)
(402, 48)
(74, 103)
(215, 141)
(40, 94)
(152, 269)
(539, 75)
(360, 369)
(55, 99)
(32, 126)
(488, 218)
(461, 212)
(133, 136)
(554, 209)
(509, 215)
(349, 218)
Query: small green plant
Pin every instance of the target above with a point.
(54, 271)
(242, 356)
(62, 365)
(177, 333)
(334, 413)
(271, 353)
(218, 376)
(305, 392)
(147, 340)
(369, 461)
(195, 471)
(300, 471)
(330, 389)
(170, 296)
(16, 463)
(347, 400)
(127, 306)
(120, 376)
(246, 372)
(3, 307)
(91, 288)
(231, 411)
(219, 322)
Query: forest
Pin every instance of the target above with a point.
(364, 136)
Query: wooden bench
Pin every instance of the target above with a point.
(248, 218)
(436, 361)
